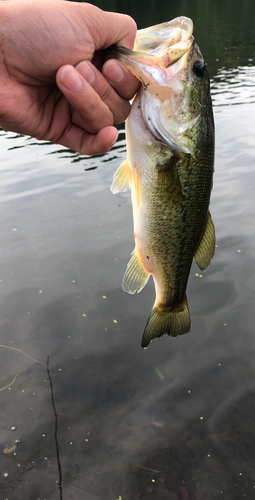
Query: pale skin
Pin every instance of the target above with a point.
(50, 87)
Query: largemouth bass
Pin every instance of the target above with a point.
(169, 168)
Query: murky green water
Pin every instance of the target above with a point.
(176, 421)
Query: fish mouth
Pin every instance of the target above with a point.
(161, 53)
(157, 46)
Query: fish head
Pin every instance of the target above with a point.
(175, 92)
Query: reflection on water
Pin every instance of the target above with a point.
(235, 86)
(173, 422)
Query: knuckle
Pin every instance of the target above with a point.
(105, 93)
(132, 23)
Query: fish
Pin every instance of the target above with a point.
(169, 169)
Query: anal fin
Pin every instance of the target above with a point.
(136, 276)
(121, 178)
(205, 251)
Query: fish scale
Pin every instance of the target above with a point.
(169, 169)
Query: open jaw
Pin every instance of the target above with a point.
(159, 61)
(163, 107)
(160, 57)
(160, 45)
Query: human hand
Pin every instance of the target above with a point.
(48, 86)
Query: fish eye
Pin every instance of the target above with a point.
(199, 68)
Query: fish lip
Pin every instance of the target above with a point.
(137, 57)
(129, 57)
(113, 52)
(162, 44)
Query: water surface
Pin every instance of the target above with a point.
(175, 421)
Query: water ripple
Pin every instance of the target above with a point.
(18, 141)
(233, 87)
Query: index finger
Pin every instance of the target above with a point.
(126, 29)
(115, 28)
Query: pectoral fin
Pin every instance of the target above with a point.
(205, 251)
(121, 178)
(136, 276)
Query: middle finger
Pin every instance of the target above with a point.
(118, 106)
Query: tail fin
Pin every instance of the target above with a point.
(175, 322)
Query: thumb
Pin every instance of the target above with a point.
(90, 112)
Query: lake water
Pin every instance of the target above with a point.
(109, 420)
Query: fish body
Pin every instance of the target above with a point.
(169, 168)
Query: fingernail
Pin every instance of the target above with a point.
(86, 70)
(71, 79)
(113, 72)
